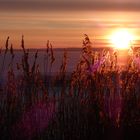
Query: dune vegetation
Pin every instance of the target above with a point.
(99, 100)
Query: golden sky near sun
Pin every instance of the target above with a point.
(65, 28)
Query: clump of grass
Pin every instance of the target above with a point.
(98, 98)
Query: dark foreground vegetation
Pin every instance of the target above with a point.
(98, 101)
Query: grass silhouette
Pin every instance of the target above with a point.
(98, 101)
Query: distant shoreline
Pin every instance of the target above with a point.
(62, 49)
(68, 49)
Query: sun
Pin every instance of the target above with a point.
(121, 39)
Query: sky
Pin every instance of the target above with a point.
(64, 22)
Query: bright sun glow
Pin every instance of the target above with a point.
(121, 39)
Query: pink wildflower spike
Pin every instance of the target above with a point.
(102, 60)
(136, 61)
(96, 65)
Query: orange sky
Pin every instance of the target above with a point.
(65, 27)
